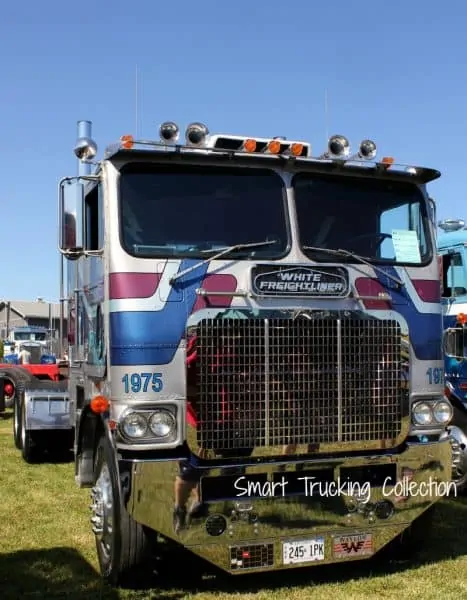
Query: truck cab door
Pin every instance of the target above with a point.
(453, 275)
(453, 267)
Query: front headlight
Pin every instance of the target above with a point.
(142, 425)
(162, 423)
(442, 412)
(134, 425)
(432, 412)
(422, 413)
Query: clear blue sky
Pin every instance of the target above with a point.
(395, 72)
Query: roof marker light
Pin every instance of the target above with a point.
(249, 145)
(127, 142)
(387, 160)
(296, 149)
(274, 146)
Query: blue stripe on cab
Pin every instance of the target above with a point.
(152, 337)
(425, 329)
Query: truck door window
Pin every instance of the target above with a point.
(181, 210)
(454, 277)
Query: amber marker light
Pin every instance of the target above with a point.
(99, 404)
(249, 145)
(127, 142)
(274, 147)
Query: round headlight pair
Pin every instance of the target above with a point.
(195, 134)
(339, 147)
(425, 413)
(159, 423)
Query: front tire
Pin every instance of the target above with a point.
(122, 544)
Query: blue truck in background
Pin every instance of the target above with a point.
(452, 251)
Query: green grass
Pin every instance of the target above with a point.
(47, 551)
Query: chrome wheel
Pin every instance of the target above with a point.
(102, 509)
(458, 440)
(459, 466)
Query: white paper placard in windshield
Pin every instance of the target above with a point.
(406, 246)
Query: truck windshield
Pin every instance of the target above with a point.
(182, 210)
(28, 335)
(22, 335)
(383, 221)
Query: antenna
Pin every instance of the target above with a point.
(326, 115)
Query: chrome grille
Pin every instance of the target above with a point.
(275, 382)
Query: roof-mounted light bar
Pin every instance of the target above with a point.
(277, 145)
(198, 138)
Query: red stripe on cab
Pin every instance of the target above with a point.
(371, 287)
(427, 289)
(216, 283)
(133, 285)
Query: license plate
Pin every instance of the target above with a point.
(346, 546)
(303, 551)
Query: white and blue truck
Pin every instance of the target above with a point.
(452, 249)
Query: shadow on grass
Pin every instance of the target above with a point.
(447, 541)
(53, 573)
(5, 416)
(56, 457)
(63, 572)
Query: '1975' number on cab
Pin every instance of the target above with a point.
(142, 382)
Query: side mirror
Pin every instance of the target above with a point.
(71, 217)
(432, 204)
(454, 343)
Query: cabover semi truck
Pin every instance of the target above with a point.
(252, 328)
(42, 365)
(43, 419)
(452, 246)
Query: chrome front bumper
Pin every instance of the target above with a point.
(295, 527)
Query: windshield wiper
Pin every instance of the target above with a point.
(341, 252)
(222, 252)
